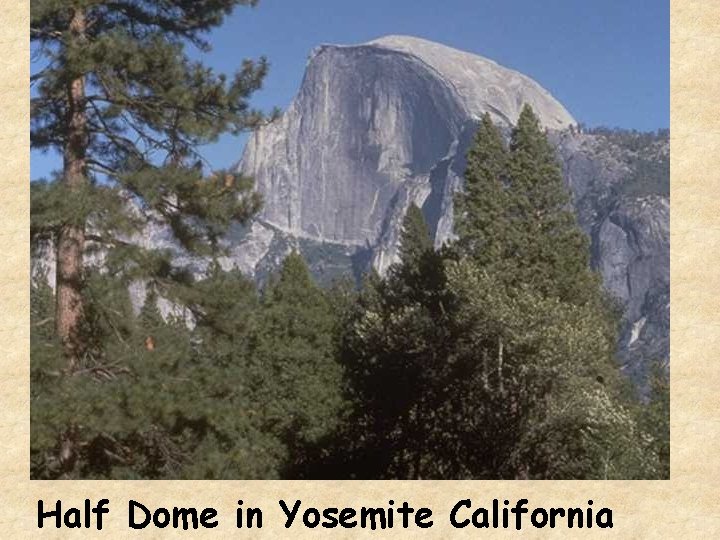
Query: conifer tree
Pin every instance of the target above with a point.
(298, 384)
(415, 239)
(481, 219)
(118, 97)
(514, 216)
(546, 248)
(501, 365)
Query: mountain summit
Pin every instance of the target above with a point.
(480, 85)
(370, 131)
(378, 126)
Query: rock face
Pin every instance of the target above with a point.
(377, 126)
(373, 128)
(620, 186)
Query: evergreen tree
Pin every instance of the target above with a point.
(481, 218)
(298, 378)
(123, 104)
(415, 240)
(494, 359)
(514, 216)
(118, 417)
(546, 248)
(419, 271)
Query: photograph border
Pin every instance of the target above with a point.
(687, 504)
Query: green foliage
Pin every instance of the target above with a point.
(515, 218)
(148, 108)
(261, 375)
(298, 375)
(117, 95)
(645, 154)
(415, 240)
(493, 358)
(470, 381)
(655, 418)
(482, 216)
(121, 416)
(650, 176)
(548, 250)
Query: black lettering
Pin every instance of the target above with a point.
(519, 510)
(405, 510)
(160, 512)
(185, 514)
(131, 515)
(87, 513)
(72, 518)
(572, 512)
(534, 518)
(315, 518)
(608, 523)
(42, 515)
(421, 516)
(290, 516)
(251, 515)
(371, 513)
(555, 512)
(206, 515)
(100, 510)
(346, 515)
(485, 523)
(330, 518)
(454, 522)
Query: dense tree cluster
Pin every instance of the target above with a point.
(492, 357)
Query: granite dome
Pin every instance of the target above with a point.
(482, 84)
(365, 135)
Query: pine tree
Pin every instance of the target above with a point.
(481, 219)
(298, 384)
(127, 109)
(546, 248)
(494, 359)
(415, 239)
(514, 216)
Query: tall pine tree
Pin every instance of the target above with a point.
(415, 239)
(481, 219)
(118, 97)
(298, 378)
(514, 216)
(547, 250)
(494, 359)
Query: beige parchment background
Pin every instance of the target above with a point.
(687, 506)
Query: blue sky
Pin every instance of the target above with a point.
(607, 61)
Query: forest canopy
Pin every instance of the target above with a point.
(491, 357)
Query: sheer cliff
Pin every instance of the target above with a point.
(379, 125)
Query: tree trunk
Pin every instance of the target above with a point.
(71, 238)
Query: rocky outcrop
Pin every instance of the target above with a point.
(626, 213)
(379, 125)
(372, 129)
